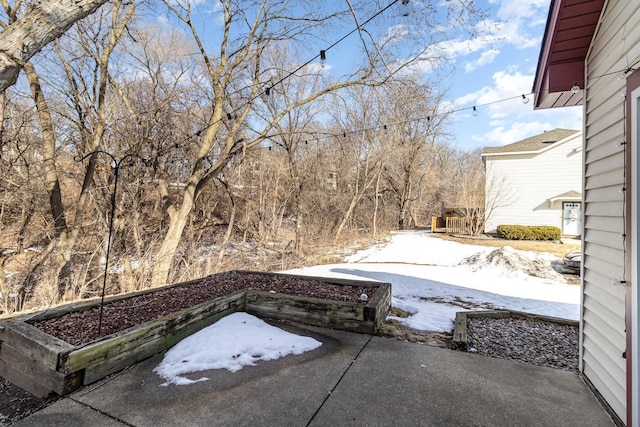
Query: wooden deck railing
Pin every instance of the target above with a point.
(451, 224)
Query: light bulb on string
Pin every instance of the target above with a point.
(406, 7)
(575, 88)
(525, 100)
(475, 111)
(323, 58)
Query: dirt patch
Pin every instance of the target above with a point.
(396, 330)
(16, 403)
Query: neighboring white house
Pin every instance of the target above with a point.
(590, 56)
(535, 181)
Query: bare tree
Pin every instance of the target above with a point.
(243, 60)
(414, 131)
(67, 223)
(21, 38)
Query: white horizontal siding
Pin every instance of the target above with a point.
(615, 47)
(526, 182)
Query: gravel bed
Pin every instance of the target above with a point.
(526, 340)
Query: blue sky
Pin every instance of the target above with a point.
(498, 66)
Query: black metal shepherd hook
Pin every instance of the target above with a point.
(116, 163)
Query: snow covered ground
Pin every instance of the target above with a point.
(431, 278)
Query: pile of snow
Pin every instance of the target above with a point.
(231, 343)
(513, 263)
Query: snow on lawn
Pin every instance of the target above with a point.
(233, 342)
(433, 279)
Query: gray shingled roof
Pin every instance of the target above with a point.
(535, 143)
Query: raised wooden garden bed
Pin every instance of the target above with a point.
(41, 363)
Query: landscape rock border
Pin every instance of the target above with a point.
(460, 323)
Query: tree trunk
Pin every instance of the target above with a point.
(25, 37)
(376, 201)
(177, 223)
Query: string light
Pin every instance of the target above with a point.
(525, 100)
(575, 88)
(323, 58)
(406, 7)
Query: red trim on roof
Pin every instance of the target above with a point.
(571, 25)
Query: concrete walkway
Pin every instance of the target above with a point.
(352, 379)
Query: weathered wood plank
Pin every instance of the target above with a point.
(558, 320)
(460, 325)
(460, 330)
(12, 372)
(32, 376)
(128, 340)
(143, 349)
(378, 306)
(86, 364)
(312, 311)
(34, 343)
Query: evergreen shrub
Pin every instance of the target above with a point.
(529, 232)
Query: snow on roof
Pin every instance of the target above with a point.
(533, 144)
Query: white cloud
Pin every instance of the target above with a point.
(518, 25)
(486, 58)
(515, 132)
(509, 119)
(538, 122)
(506, 84)
(396, 33)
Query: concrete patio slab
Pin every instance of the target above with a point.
(352, 379)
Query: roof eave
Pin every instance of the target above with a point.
(555, 78)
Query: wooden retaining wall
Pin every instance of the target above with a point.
(41, 363)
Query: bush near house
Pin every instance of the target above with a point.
(528, 232)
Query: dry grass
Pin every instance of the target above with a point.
(555, 248)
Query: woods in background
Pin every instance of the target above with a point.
(238, 153)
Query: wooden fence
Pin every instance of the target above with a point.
(450, 224)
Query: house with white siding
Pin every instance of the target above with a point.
(590, 56)
(536, 181)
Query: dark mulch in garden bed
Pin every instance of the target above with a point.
(82, 327)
